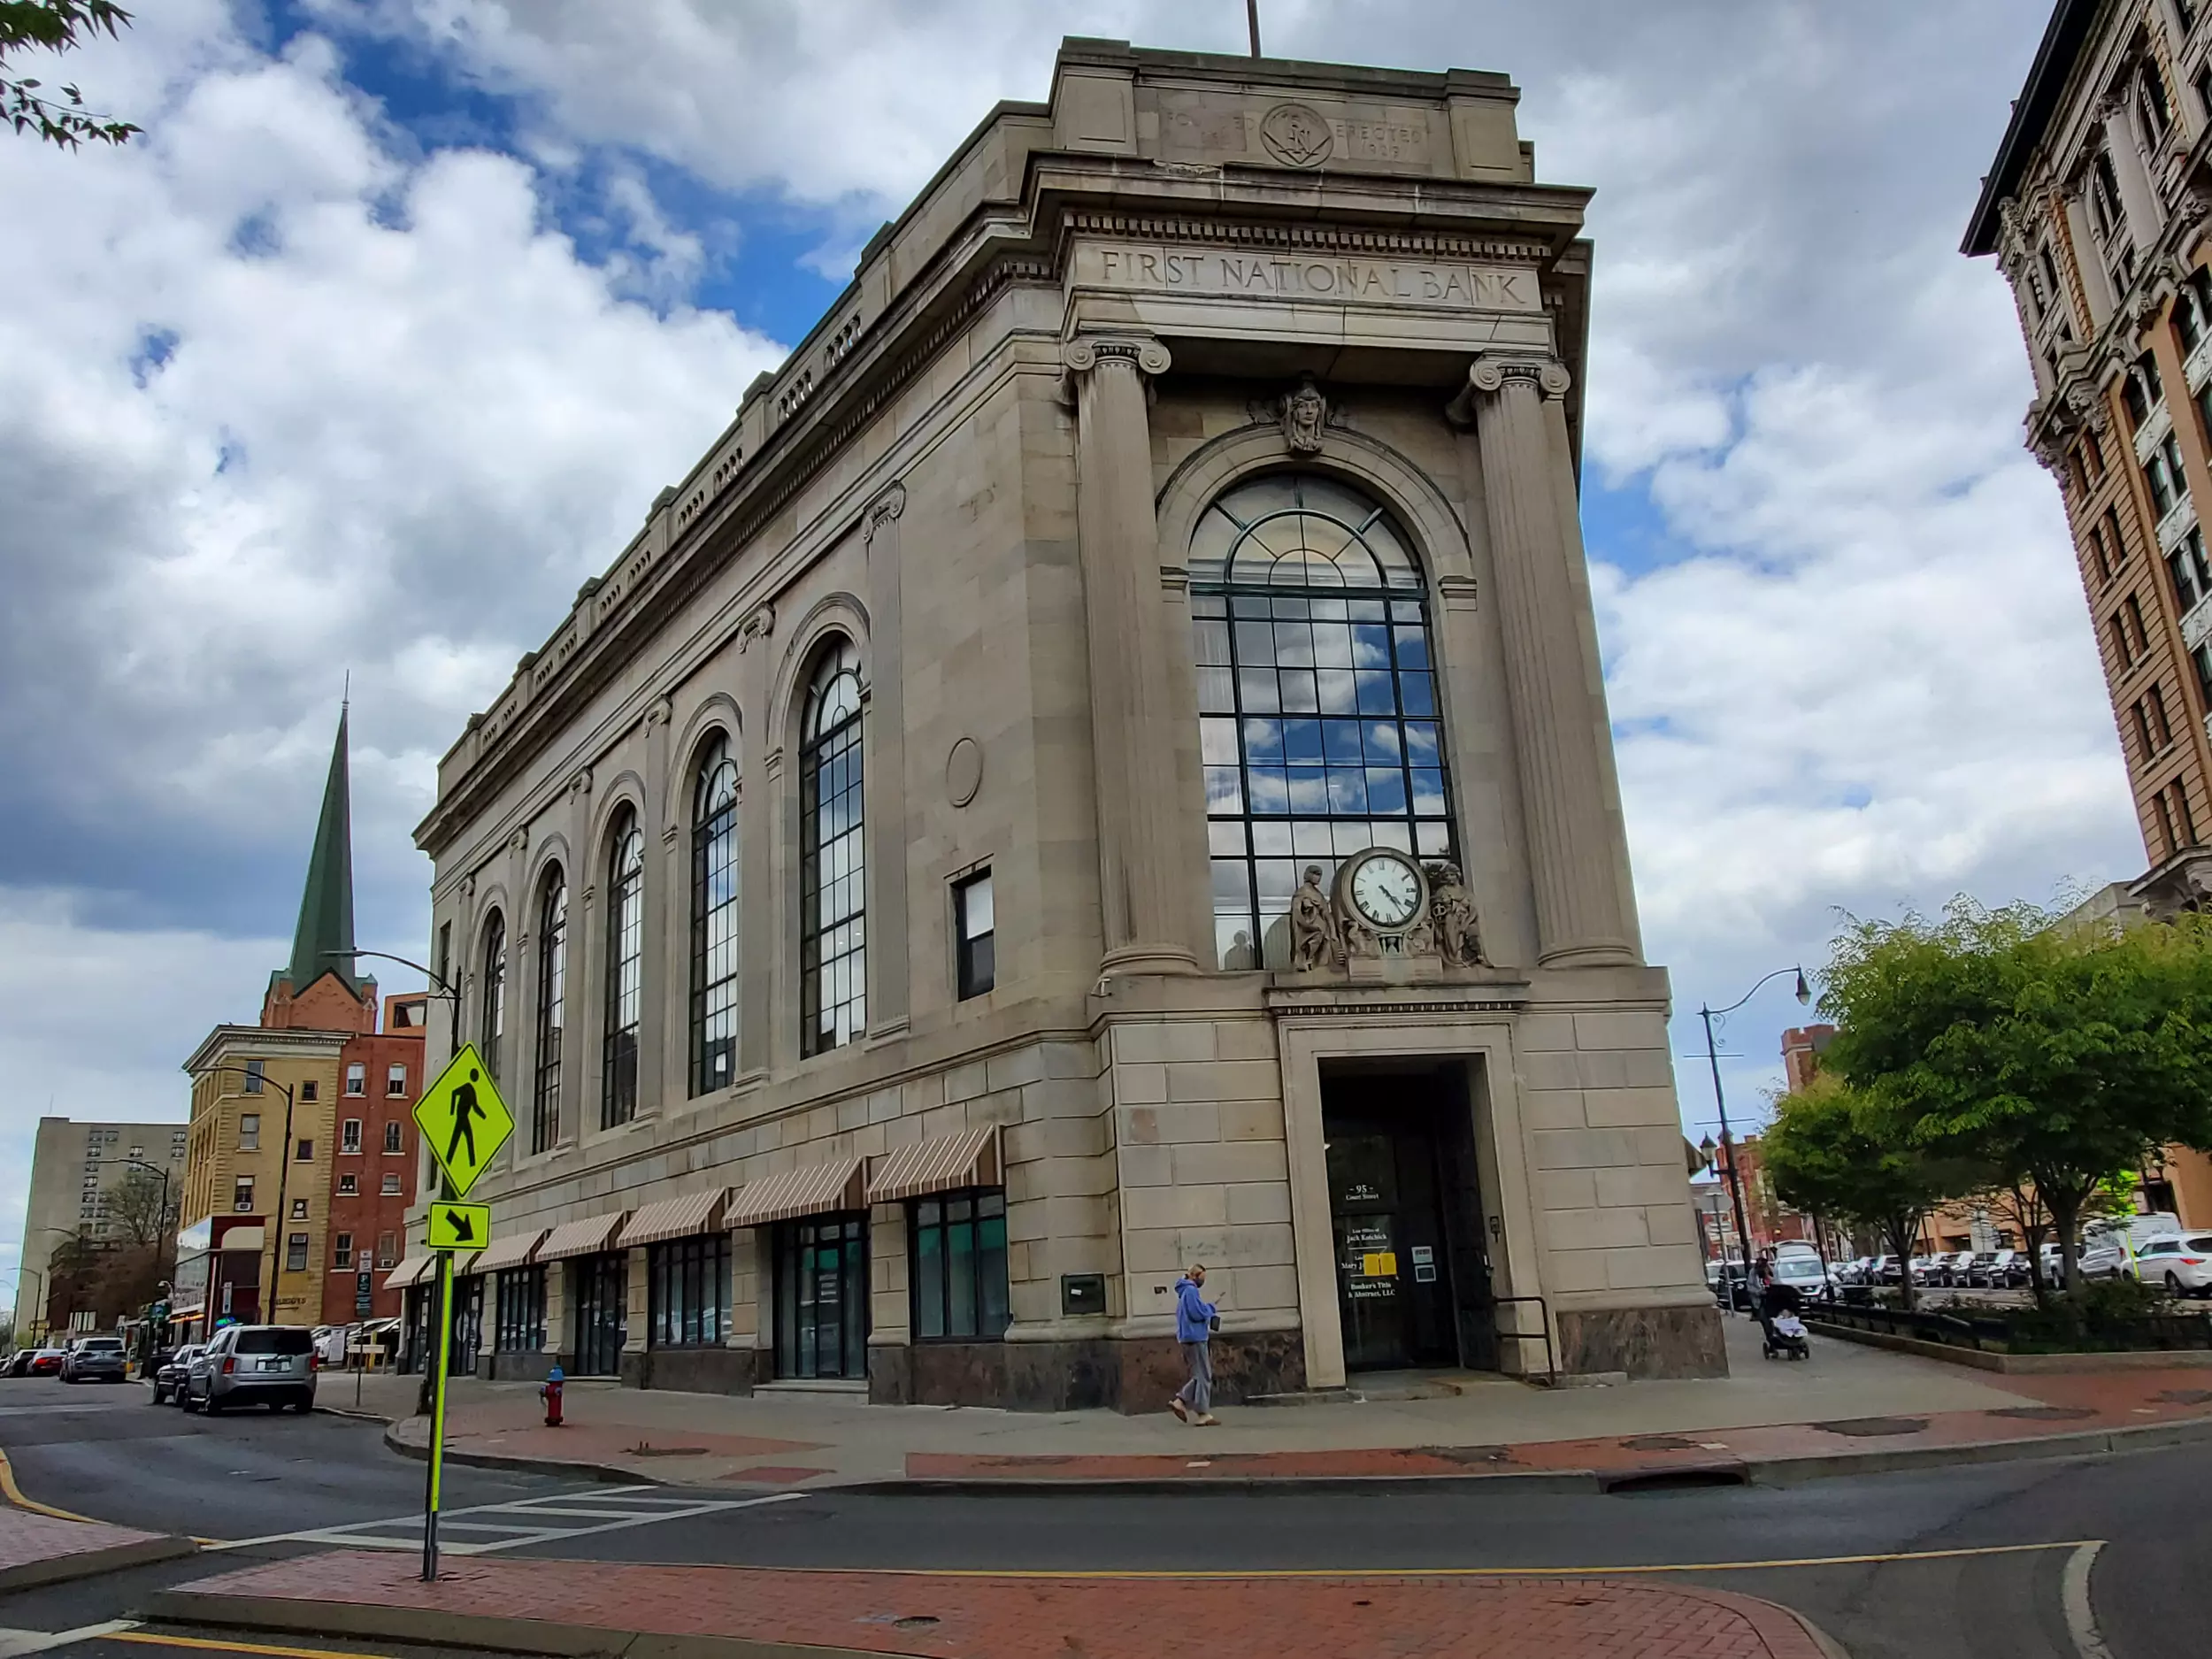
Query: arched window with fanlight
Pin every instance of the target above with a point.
(545, 1107)
(494, 1013)
(714, 918)
(832, 878)
(625, 966)
(1320, 725)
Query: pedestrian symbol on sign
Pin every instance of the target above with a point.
(464, 1122)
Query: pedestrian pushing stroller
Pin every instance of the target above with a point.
(1782, 1332)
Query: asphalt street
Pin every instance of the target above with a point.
(1965, 1562)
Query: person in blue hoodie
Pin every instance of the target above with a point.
(1194, 1322)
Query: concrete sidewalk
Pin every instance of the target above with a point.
(1847, 1407)
(664, 1612)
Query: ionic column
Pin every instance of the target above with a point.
(1140, 865)
(1576, 849)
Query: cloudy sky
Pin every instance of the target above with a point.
(386, 333)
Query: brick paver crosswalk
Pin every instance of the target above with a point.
(990, 1616)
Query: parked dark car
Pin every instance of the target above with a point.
(1732, 1289)
(170, 1373)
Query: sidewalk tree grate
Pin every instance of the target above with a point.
(2044, 1414)
(1860, 1428)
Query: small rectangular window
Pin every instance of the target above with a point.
(388, 1249)
(349, 1135)
(254, 1074)
(357, 1078)
(308, 1090)
(391, 1137)
(391, 1184)
(241, 1194)
(976, 927)
(304, 1153)
(341, 1250)
(250, 1132)
(395, 1080)
(299, 1209)
(349, 1185)
(295, 1253)
(2160, 727)
(958, 1267)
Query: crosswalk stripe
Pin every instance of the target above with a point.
(522, 1521)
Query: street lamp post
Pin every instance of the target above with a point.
(1720, 1100)
(284, 1170)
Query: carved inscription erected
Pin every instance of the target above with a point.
(1452, 284)
(1202, 127)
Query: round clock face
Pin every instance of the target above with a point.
(1388, 890)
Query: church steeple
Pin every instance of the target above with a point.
(325, 924)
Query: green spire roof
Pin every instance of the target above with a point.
(327, 907)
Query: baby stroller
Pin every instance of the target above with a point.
(1779, 1326)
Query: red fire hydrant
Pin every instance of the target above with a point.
(549, 1391)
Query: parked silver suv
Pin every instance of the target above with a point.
(91, 1357)
(271, 1365)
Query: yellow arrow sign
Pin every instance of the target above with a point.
(464, 1122)
(458, 1227)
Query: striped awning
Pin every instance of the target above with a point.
(410, 1268)
(813, 1190)
(943, 1165)
(586, 1237)
(514, 1250)
(675, 1218)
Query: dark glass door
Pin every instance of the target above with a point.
(468, 1325)
(599, 1286)
(822, 1297)
(1393, 1289)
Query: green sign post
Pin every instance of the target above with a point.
(464, 1124)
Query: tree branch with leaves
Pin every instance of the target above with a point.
(56, 27)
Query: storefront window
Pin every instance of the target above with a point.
(960, 1266)
(519, 1326)
(690, 1291)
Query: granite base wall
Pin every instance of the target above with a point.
(697, 1370)
(1135, 1376)
(527, 1367)
(1644, 1342)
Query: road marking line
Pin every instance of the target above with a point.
(1460, 1573)
(16, 1643)
(14, 1494)
(2081, 1617)
(524, 1518)
(152, 1640)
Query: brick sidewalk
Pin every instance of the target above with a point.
(951, 1617)
(40, 1549)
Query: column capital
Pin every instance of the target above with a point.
(1085, 352)
(885, 509)
(1491, 371)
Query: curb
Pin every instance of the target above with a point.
(435, 1629)
(90, 1563)
(527, 1465)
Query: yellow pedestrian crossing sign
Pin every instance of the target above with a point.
(464, 1122)
(458, 1227)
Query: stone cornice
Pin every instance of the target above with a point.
(730, 497)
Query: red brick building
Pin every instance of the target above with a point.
(372, 1162)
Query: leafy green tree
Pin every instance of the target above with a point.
(1831, 1149)
(56, 26)
(2053, 1056)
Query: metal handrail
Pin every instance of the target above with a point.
(1551, 1361)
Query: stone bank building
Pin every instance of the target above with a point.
(1103, 765)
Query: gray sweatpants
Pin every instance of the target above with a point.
(1198, 1393)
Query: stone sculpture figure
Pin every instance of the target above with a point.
(1452, 915)
(1313, 940)
(1305, 412)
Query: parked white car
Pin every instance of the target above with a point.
(2105, 1256)
(2180, 1265)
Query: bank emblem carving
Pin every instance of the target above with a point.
(1297, 136)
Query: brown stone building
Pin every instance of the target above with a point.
(300, 1161)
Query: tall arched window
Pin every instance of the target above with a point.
(626, 963)
(494, 1010)
(714, 920)
(832, 898)
(545, 1105)
(1319, 723)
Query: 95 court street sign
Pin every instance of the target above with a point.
(458, 1227)
(464, 1122)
